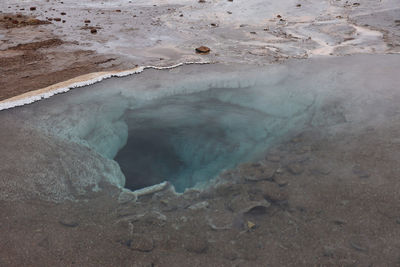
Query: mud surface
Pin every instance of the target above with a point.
(309, 213)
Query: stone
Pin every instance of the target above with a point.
(328, 251)
(244, 204)
(360, 172)
(69, 222)
(93, 31)
(281, 180)
(141, 243)
(199, 205)
(32, 8)
(203, 50)
(257, 171)
(295, 168)
(272, 192)
(87, 21)
(196, 243)
(250, 225)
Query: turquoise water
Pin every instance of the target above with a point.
(188, 124)
(188, 139)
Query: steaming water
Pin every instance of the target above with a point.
(187, 124)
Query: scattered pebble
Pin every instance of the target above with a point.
(361, 173)
(68, 222)
(93, 31)
(203, 50)
(196, 244)
(199, 206)
(141, 243)
(328, 251)
(295, 168)
(251, 225)
(32, 8)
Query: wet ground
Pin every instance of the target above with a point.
(165, 33)
(331, 196)
(325, 194)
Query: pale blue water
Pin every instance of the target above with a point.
(186, 125)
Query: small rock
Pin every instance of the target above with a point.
(196, 243)
(229, 12)
(63, 13)
(199, 206)
(203, 50)
(298, 5)
(68, 222)
(280, 180)
(321, 170)
(295, 168)
(257, 172)
(87, 21)
(357, 170)
(32, 8)
(357, 246)
(141, 243)
(118, 10)
(328, 251)
(339, 222)
(250, 225)
(202, 1)
(57, 19)
(272, 191)
(94, 31)
(253, 33)
(243, 204)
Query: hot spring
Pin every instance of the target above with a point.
(186, 125)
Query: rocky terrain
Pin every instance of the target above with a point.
(325, 196)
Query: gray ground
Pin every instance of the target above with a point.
(333, 200)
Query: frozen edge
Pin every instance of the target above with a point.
(80, 81)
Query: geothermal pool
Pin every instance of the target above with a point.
(186, 125)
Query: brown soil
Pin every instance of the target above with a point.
(34, 65)
(8, 21)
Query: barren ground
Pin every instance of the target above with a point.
(346, 214)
